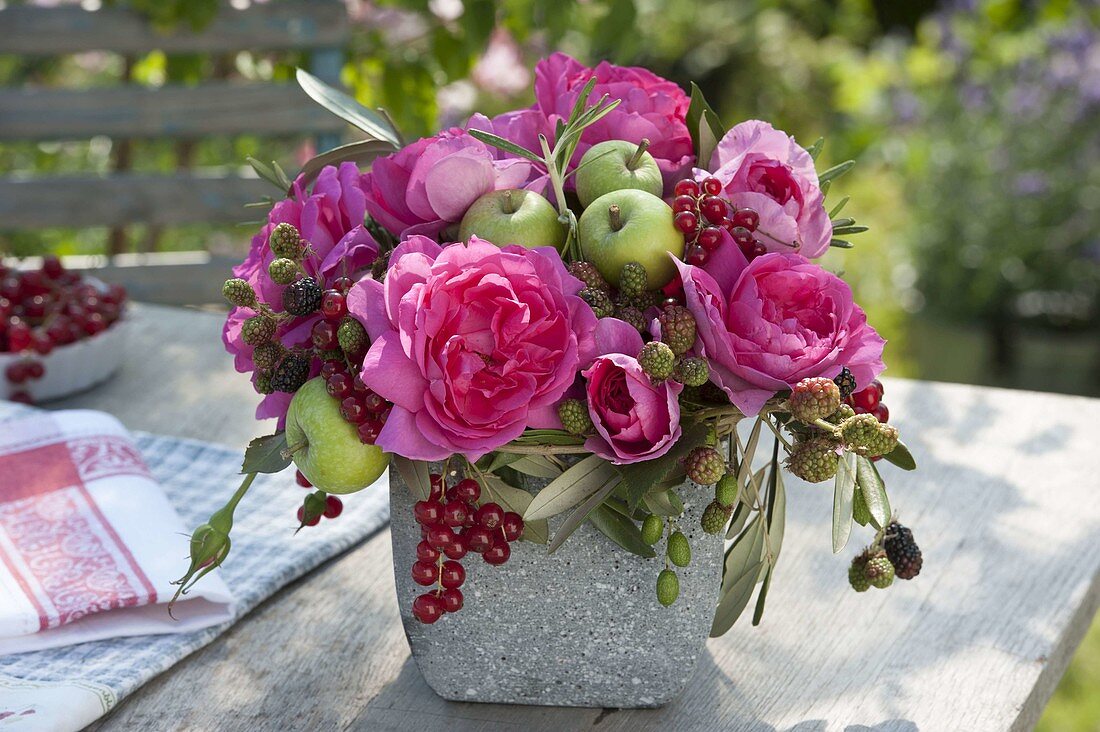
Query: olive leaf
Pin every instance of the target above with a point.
(416, 475)
(621, 530)
(873, 491)
(843, 496)
(664, 503)
(641, 478)
(703, 125)
(377, 126)
(901, 457)
(571, 487)
(583, 512)
(266, 454)
(360, 153)
(539, 466)
(739, 574)
(517, 500)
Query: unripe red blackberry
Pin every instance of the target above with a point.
(282, 271)
(902, 551)
(657, 360)
(258, 329)
(856, 577)
(286, 242)
(267, 354)
(632, 315)
(814, 460)
(692, 371)
(715, 516)
(846, 383)
(633, 280)
(302, 297)
(587, 273)
(879, 571)
(239, 293)
(291, 373)
(574, 417)
(598, 300)
(813, 399)
(705, 465)
(864, 435)
(352, 337)
(678, 328)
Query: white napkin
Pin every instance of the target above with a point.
(89, 544)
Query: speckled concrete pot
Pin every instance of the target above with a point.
(581, 627)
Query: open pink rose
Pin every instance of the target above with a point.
(784, 319)
(635, 420)
(426, 185)
(650, 107)
(330, 217)
(472, 343)
(765, 169)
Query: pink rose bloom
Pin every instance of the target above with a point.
(472, 343)
(635, 420)
(764, 169)
(330, 217)
(426, 185)
(784, 319)
(650, 107)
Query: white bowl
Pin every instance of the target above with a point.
(73, 367)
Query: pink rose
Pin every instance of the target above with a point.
(635, 420)
(784, 319)
(765, 169)
(330, 217)
(650, 107)
(472, 344)
(426, 185)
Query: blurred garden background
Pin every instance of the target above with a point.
(975, 125)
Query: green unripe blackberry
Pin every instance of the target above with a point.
(267, 354)
(302, 297)
(598, 300)
(262, 384)
(657, 360)
(282, 271)
(332, 354)
(587, 273)
(726, 490)
(856, 578)
(813, 399)
(692, 371)
(632, 315)
(864, 435)
(715, 516)
(633, 280)
(574, 417)
(878, 571)
(845, 382)
(678, 328)
(652, 529)
(258, 329)
(814, 460)
(352, 337)
(705, 465)
(860, 512)
(286, 242)
(678, 549)
(668, 587)
(291, 373)
(842, 413)
(239, 293)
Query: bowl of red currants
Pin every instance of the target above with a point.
(60, 332)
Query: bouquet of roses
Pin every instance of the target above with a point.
(567, 309)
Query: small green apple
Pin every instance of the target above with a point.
(614, 165)
(326, 448)
(630, 226)
(514, 216)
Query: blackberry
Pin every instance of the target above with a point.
(302, 297)
(814, 460)
(352, 337)
(573, 414)
(267, 354)
(902, 551)
(587, 273)
(657, 360)
(598, 300)
(879, 571)
(633, 280)
(705, 465)
(678, 549)
(845, 382)
(632, 315)
(668, 587)
(842, 413)
(262, 383)
(715, 516)
(856, 578)
(291, 373)
(678, 328)
(692, 371)
(258, 329)
(813, 399)
(864, 435)
(239, 293)
(286, 242)
(282, 271)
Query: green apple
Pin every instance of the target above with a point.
(326, 448)
(630, 226)
(614, 165)
(514, 216)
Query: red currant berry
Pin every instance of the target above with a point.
(452, 574)
(512, 525)
(456, 549)
(51, 266)
(686, 187)
(709, 238)
(323, 335)
(696, 255)
(746, 218)
(352, 410)
(713, 186)
(428, 608)
(455, 513)
(498, 553)
(425, 573)
(479, 539)
(302, 480)
(16, 372)
(440, 537)
(882, 414)
(95, 323)
(19, 336)
(339, 386)
(490, 515)
(468, 490)
(333, 507)
(683, 203)
(686, 221)
(343, 284)
(742, 237)
(369, 431)
(42, 343)
(331, 368)
(435, 489)
(374, 403)
(313, 520)
(713, 209)
(867, 398)
(21, 397)
(426, 553)
(877, 386)
(333, 305)
(428, 513)
(757, 250)
(452, 599)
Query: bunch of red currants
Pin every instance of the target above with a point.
(701, 214)
(359, 405)
(869, 401)
(452, 524)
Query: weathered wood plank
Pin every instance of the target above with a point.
(1004, 506)
(213, 108)
(128, 198)
(288, 24)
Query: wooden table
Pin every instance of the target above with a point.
(1006, 506)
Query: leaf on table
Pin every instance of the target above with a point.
(570, 488)
(901, 457)
(621, 530)
(265, 454)
(517, 500)
(377, 126)
(843, 495)
(416, 475)
(583, 511)
(872, 491)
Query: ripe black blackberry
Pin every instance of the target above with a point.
(291, 373)
(302, 297)
(845, 382)
(902, 551)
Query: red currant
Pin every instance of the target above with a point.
(457, 549)
(333, 507)
(882, 414)
(498, 553)
(479, 539)
(452, 599)
(21, 397)
(709, 238)
(333, 305)
(42, 343)
(352, 410)
(332, 367)
(343, 284)
(877, 386)
(428, 513)
(757, 250)
(374, 403)
(455, 512)
(369, 431)
(713, 209)
(425, 573)
(742, 237)
(16, 372)
(452, 574)
(302, 479)
(51, 266)
(686, 187)
(686, 221)
(512, 525)
(323, 335)
(468, 490)
(866, 399)
(440, 537)
(435, 487)
(339, 386)
(428, 608)
(313, 520)
(713, 186)
(425, 552)
(683, 203)
(490, 515)
(19, 336)
(746, 218)
(696, 255)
